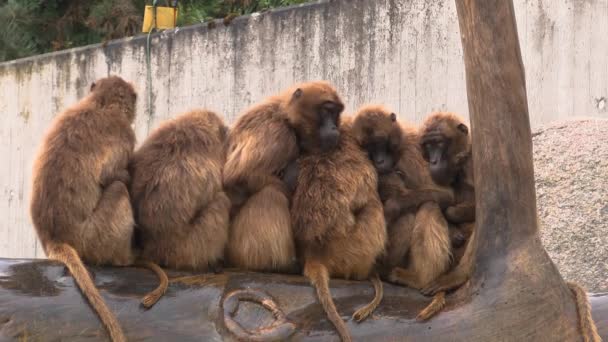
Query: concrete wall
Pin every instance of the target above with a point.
(405, 54)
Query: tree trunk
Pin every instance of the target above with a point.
(516, 292)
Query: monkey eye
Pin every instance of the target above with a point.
(332, 107)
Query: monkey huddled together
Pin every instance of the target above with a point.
(293, 186)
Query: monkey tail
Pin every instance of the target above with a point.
(319, 277)
(152, 297)
(586, 324)
(67, 255)
(433, 308)
(367, 310)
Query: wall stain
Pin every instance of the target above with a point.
(25, 115)
(544, 27)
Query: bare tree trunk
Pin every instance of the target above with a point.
(530, 299)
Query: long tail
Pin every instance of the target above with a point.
(152, 297)
(368, 309)
(319, 277)
(433, 308)
(586, 324)
(68, 255)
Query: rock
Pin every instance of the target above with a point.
(571, 171)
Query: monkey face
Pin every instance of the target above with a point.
(329, 116)
(435, 153)
(314, 112)
(444, 142)
(380, 154)
(378, 132)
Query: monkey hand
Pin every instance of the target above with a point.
(457, 239)
(392, 209)
(460, 214)
(461, 158)
(289, 175)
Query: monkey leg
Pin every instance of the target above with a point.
(398, 242)
(368, 309)
(457, 276)
(461, 213)
(431, 248)
(429, 256)
(68, 256)
(108, 232)
(261, 238)
(319, 278)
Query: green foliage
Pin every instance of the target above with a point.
(36, 26)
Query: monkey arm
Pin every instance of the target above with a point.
(412, 199)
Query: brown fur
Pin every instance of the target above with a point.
(443, 126)
(418, 250)
(408, 176)
(182, 211)
(337, 214)
(80, 205)
(260, 146)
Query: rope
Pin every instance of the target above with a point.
(148, 63)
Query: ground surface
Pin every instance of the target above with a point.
(571, 168)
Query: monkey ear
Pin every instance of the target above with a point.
(393, 117)
(463, 128)
(297, 93)
(92, 86)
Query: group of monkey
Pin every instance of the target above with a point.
(291, 187)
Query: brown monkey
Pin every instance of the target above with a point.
(260, 146)
(80, 204)
(446, 145)
(181, 208)
(418, 242)
(337, 215)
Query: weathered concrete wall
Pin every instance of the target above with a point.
(405, 54)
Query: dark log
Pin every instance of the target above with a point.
(39, 302)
